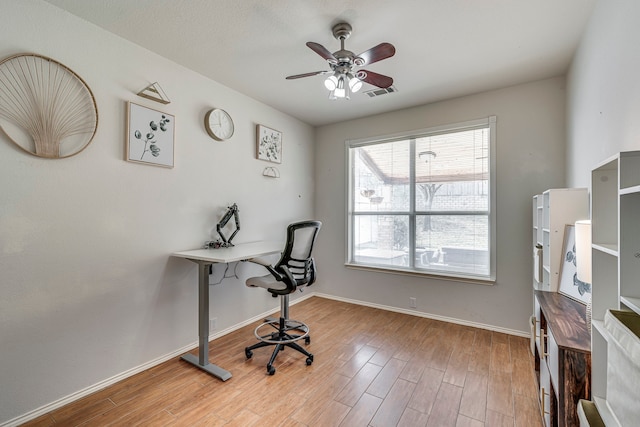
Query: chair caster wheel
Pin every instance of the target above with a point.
(248, 353)
(271, 370)
(307, 340)
(309, 360)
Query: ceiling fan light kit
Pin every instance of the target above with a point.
(341, 85)
(345, 78)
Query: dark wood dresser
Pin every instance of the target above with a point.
(562, 357)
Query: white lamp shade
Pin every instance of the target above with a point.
(355, 84)
(331, 82)
(583, 250)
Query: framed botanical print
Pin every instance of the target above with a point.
(150, 136)
(268, 144)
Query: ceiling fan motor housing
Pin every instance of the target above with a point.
(342, 31)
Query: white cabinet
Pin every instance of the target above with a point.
(615, 221)
(552, 210)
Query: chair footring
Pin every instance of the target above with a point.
(282, 335)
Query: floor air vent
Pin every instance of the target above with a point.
(380, 91)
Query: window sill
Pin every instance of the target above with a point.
(476, 280)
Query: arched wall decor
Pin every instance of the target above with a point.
(49, 110)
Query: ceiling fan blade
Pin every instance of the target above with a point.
(322, 51)
(374, 78)
(313, 73)
(378, 53)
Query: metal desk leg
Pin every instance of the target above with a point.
(202, 361)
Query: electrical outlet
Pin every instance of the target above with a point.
(413, 303)
(213, 324)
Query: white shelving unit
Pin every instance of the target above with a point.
(615, 219)
(552, 210)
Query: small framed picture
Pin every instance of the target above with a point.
(569, 283)
(150, 136)
(268, 144)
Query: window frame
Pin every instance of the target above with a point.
(411, 136)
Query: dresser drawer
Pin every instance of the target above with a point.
(545, 395)
(553, 359)
(538, 319)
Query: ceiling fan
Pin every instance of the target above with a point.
(346, 76)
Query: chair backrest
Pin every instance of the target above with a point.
(297, 252)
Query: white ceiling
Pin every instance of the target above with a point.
(444, 48)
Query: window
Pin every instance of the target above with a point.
(424, 202)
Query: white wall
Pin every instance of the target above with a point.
(87, 287)
(530, 159)
(604, 90)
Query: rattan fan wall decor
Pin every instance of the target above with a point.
(49, 111)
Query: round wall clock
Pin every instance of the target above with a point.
(218, 124)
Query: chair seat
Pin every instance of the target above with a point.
(266, 282)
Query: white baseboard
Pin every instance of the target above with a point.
(429, 316)
(126, 374)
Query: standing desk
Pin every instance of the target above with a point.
(205, 258)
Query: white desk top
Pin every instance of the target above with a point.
(239, 252)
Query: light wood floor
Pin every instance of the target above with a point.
(371, 368)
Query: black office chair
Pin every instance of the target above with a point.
(295, 270)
